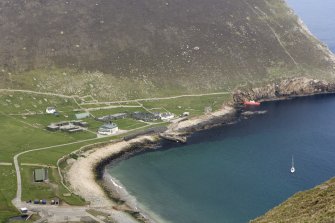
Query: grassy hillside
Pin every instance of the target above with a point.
(315, 205)
(127, 49)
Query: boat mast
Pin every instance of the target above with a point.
(292, 161)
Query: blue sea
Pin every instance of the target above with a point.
(236, 173)
(319, 16)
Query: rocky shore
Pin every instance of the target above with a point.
(285, 89)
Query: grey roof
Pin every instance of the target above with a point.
(39, 174)
(82, 115)
(52, 126)
(109, 126)
(112, 116)
(118, 114)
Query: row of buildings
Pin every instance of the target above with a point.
(53, 111)
(68, 126)
(143, 116)
(79, 126)
(108, 118)
(108, 128)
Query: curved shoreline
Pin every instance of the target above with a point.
(89, 167)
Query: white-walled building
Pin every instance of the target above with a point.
(50, 110)
(166, 116)
(108, 129)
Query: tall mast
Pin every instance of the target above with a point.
(292, 161)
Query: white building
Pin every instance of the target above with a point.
(24, 210)
(50, 110)
(108, 129)
(166, 116)
(186, 114)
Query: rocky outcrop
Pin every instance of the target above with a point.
(285, 89)
(226, 115)
(252, 113)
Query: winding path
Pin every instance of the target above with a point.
(161, 98)
(38, 92)
(17, 201)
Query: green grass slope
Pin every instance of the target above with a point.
(315, 205)
(128, 49)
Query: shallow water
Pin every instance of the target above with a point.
(238, 172)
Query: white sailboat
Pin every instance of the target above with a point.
(292, 168)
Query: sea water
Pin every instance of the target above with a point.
(236, 173)
(319, 16)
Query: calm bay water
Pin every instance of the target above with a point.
(238, 172)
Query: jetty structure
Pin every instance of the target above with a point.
(173, 137)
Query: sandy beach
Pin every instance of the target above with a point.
(81, 173)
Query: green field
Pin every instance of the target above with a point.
(7, 192)
(18, 136)
(19, 103)
(23, 121)
(107, 104)
(46, 190)
(194, 105)
(109, 111)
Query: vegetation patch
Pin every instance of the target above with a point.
(315, 205)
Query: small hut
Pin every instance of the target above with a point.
(40, 175)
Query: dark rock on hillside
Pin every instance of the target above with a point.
(285, 89)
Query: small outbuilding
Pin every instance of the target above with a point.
(40, 175)
(80, 123)
(82, 115)
(186, 114)
(24, 210)
(145, 116)
(68, 126)
(107, 118)
(53, 127)
(50, 110)
(166, 116)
